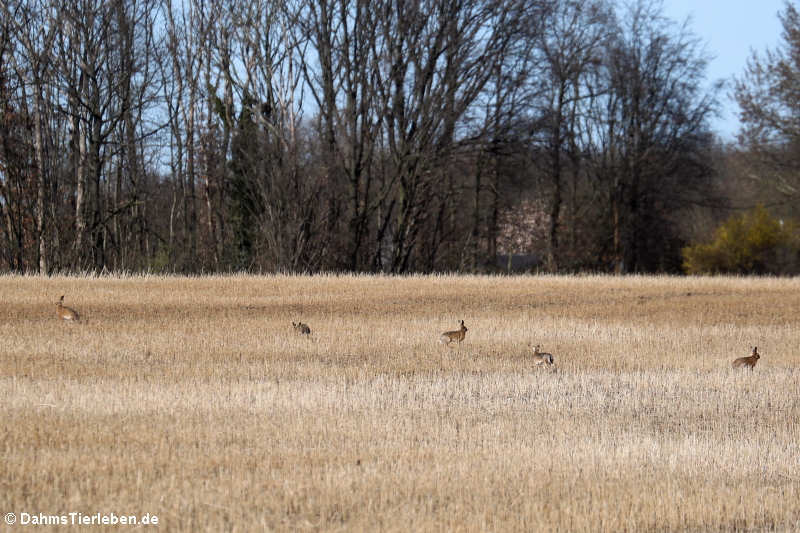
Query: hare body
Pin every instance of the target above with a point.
(540, 357)
(301, 329)
(65, 313)
(749, 362)
(454, 336)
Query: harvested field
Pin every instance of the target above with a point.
(193, 399)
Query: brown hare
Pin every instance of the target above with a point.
(65, 313)
(301, 329)
(748, 361)
(458, 335)
(540, 357)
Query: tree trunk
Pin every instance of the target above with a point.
(41, 184)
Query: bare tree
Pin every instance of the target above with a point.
(503, 132)
(433, 60)
(767, 94)
(138, 88)
(272, 193)
(373, 136)
(342, 82)
(652, 134)
(104, 71)
(13, 148)
(569, 51)
(188, 28)
(35, 29)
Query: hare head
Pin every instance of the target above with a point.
(301, 328)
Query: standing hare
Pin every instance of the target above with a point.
(65, 313)
(540, 357)
(458, 335)
(748, 361)
(301, 329)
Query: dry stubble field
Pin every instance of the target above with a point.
(192, 399)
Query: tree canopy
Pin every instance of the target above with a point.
(376, 136)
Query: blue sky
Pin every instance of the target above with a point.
(730, 30)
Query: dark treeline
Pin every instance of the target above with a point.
(359, 135)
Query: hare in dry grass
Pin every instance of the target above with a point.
(748, 361)
(540, 357)
(301, 329)
(65, 313)
(458, 335)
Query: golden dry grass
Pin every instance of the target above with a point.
(194, 400)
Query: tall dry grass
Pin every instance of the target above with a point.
(194, 400)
